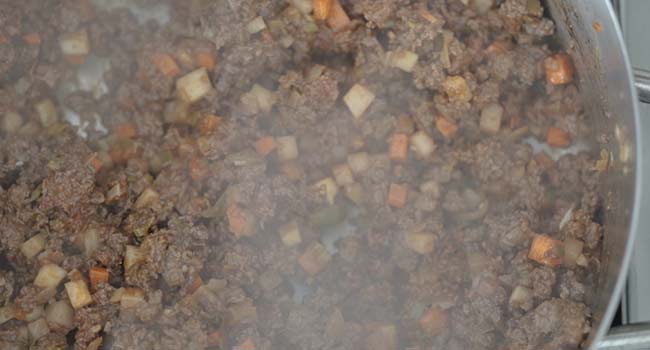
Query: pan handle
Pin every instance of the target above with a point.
(642, 83)
(634, 336)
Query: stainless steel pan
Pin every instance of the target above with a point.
(590, 32)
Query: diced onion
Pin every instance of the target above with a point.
(403, 59)
(78, 294)
(38, 328)
(358, 162)
(133, 256)
(91, 240)
(287, 148)
(491, 118)
(116, 297)
(7, 313)
(328, 188)
(131, 297)
(148, 197)
(520, 297)
(290, 234)
(45, 295)
(75, 44)
(343, 174)
(194, 86)
(114, 193)
(61, 314)
(256, 25)
(11, 122)
(259, 99)
(354, 192)
(422, 144)
(49, 276)
(572, 251)
(358, 99)
(34, 314)
(482, 6)
(304, 6)
(421, 243)
(457, 89)
(47, 112)
(33, 246)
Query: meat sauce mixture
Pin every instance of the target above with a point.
(293, 174)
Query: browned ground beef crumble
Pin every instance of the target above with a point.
(194, 223)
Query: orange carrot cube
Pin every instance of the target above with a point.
(166, 65)
(241, 223)
(265, 145)
(434, 321)
(98, 275)
(497, 47)
(322, 9)
(397, 195)
(33, 39)
(206, 59)
(556, 137)
(398, 149)
(127, 130)
(75, 59)
(544, 160)
(208, 124)
(546, 251)
(446, 127)
(559, 69)
(338, 19)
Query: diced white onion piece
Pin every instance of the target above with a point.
(304, 6)
(491, 118)
(287, 147)
(572, 251)
(49, 276)
(61, 314)
(358, 99)
(47, 112)
(422, 144)
(358, 162)
(290, 234)
(482, 6)
(177, 112)
(457, 89)
(520, 297)
(45, 295)
(256, 25)
(328, 188)
(148, 197)
(75, 44)
(38, 329)
(131, 297)
(194, 86)
(78, 294)
(35, 313)
(264, 99)
(133, 256)
(7, 313)
(430, 186)
(421, 243)
(91, 240)
(31, 247)
(114, 193)
(354, 192)
(403, 59)
(11, 122)
(117, 295)
(343, 174)
(582, 261)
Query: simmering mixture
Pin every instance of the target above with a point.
(293, 174)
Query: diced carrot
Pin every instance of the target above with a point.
(598, 27)
(208, 124)
(556, 137)
(195, 282)
(3, 39)
(267, 36)
(33, 39)
(497, 47)
(338, 19)
(265, 145)
(166, 64)
(559, 69)
(428, 16)
(240, 222)
(98, 275)
(544, 160)
(322, 9)
(96, 163)
(397, 195)
(206, 59)
(398, 149)
(127, 130)
(245, 345)
(434, 321)
(75, 59)
(405, 124)
(199, 170)
(446, 127)
(215, 339)
(546, 250)
(122, 153)
(514, 122)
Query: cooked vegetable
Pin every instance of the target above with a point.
(322, 9)
(559, 69)
(127, 129)
(91, 241)
(146, 199)
(338, 19)
(354, 192)
(434, 321)
(572, 251)
(259, 99)
(247, 344)
(397, 195)
(358, 162)
(215, 339)
(75, 44)
(206, 59)
(556, 137)
(33, 246)
(97, 275)
(422, 144)
(242, 313)
(194, 86)
(265, 145)
(60, 314)
(546, 251)
(522, 298)
(208, 124)
(166, 65)
(131, 297)
(446, 127)
(482, 6)
(37, 329)
(314, 259)
(421, 243)
(240, 221)
(47, 112)
(7, 313)
(287, 148)
(327, 188)
(457, 89)
(342, 174)
(398, 148)
(403, 59)
(199, 169)
(133, 256)
(358, 99)
(78, 294)
(491, 118)
(304, 6)
(11, 122)
(49, 276)
(290, 234)
(33, 39)
(256, 25)
(116, 297)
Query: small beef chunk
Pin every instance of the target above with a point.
(70, 180)
(543, 281)
(305, 98)
(564, 320)
(6, 286)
